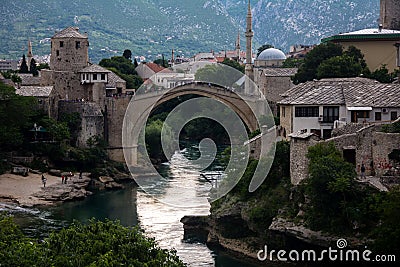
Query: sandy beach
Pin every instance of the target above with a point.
(21, 189)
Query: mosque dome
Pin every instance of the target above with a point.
(271, 54)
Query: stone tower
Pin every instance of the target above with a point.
(249, 52)
(69, 50)
(30, 54)
(390, 14)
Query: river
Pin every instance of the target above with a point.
(132, 206)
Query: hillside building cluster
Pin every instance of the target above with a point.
(315, 109)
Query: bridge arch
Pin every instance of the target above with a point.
(245, 106)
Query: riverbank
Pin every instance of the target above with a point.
(28, 191)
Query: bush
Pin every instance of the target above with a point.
(93, 244)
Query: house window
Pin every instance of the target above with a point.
(393, 115)
(378, 116)
(61, 43)
(103, 77)
(77, 44)
(307, 111)
(331, 114)
(94, 77)
(355, 115)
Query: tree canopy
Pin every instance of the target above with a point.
(16, 116)
(124, 68)
(308, 70)
(96, 243)
(33, 68)
(234, 64)
(127, 54)
(329, 60)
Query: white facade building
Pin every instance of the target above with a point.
(320, 106)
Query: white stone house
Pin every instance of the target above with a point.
(170, 80)
(320, 106)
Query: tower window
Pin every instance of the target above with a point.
(61, 43)
(103, 77)
(57, 52)
(77, 44)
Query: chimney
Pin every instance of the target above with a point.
(380, 27)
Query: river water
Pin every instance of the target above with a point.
(132, 206)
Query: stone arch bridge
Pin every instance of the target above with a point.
(245, 106)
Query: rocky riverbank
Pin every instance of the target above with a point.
(29, 191)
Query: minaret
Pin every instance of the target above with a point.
(238, 47)
(30, 55)
(249, 55)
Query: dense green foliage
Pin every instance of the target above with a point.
(234, 64)
(33, 68)
(219, 74)
(17, 115)
(338, 204)
(338, 67)
(124, 68)
(328, 60)
(12, 75)
(162, 62)
(271, 196)
(308, 70)
(127, 54)
(382, 75)
(292, 62)
(391, 128)
(153, 138)
(94, 244)
(331, 188)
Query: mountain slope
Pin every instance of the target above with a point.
(151, 27)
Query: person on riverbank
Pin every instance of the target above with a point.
(65, 179)
(80, 175)
(62, 179)
(44, 180)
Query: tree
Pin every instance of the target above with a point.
(161, 62)
(382, 75)
(92, 244)
(127, 54)
(292, 63)
(339, 67)
(125, 69)
(43, 66)
(263, 47)
(16, 116)
(33, 68)
(233, 64)
(24, 67)
(328, 60)
(330, 187)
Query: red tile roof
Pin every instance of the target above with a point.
(154, 67)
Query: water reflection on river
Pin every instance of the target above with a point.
(132, 207)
